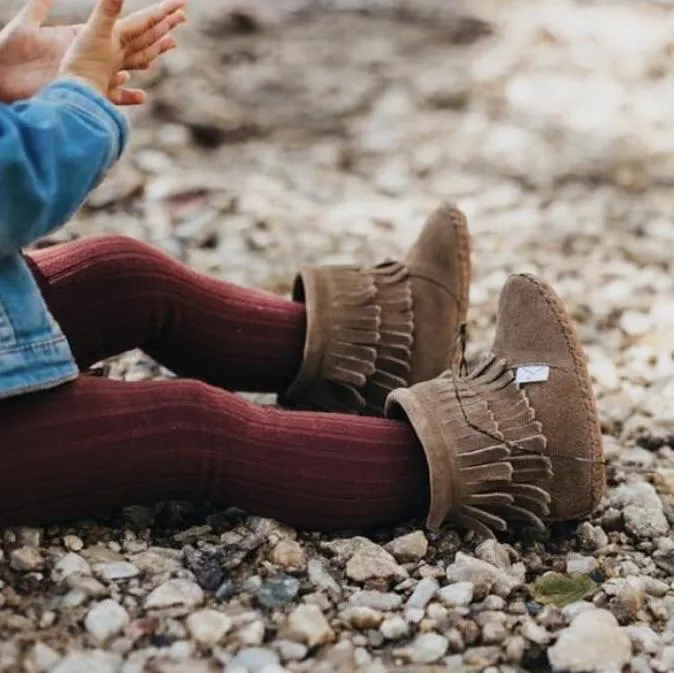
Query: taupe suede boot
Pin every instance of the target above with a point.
(529, 407)
(477, 479)
(536, 336)
(372, 330)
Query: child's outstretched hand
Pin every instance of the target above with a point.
(31, 53)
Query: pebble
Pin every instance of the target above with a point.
(459, 594)
(592, 643)
(362, 617)
(289, 555)
(321, 578)
(70, 564)
(252, 634)
(307, 624)
(41, 658)
(644, 639)
(113, 572)
(482, 575)
(208, 627)
(428, 648)
(362, 567)
(26, 559)
(493, 633)
(583, 565)
(394, 628)
(494, 553)
(278, 591)
(106, 619)
(535, 633)
(253, 660)
(88, 662)
(423, 593)
(630, 596)
(290, 651)
(408, 548)
(73, 543)
(176, 592)
(377, 600)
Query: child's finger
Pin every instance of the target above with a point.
(143, 59)
(105, 15)
(35, 11)
(156, 33)
(126, 97)
(120, 79)
(145, 20)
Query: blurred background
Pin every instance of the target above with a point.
(285, 131)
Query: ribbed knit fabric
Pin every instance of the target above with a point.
(94, 445)
(112, 294)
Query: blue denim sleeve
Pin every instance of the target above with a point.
(54, 149)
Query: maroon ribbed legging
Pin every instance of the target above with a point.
(93, 445)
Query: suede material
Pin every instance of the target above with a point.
(439, 268)
(534, 328)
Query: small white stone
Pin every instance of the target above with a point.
(428, 648)
(593, 643)
(184, 593)
(459, 594)
(394, 628)
(208, 627)
(583, 565)
(105, 620)
(251, 634)
(70, 564)
(41, 658)
(423, 593)
(254, 660)
(112, 572)
(88, 662)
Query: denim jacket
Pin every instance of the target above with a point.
(54, 148)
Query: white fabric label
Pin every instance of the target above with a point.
(532, 374)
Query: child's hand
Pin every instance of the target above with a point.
(105, 47)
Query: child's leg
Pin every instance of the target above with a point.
(112, 294)
(96, 444)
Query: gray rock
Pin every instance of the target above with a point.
(376, 600)
(113, 572)
(321, 578)
(584, 565)
(494, 553)
(289, 650)
(253, 660)
(459, 594)
(644, 639)
(177, 592)
(278, 591)
(87, 662)
(70, 564)
(428, 648)
(592, 643)
(106, 619)
(423, 593)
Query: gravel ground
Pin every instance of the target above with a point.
(292, 131)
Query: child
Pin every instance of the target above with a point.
(376, 430)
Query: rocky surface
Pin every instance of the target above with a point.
(299, 131)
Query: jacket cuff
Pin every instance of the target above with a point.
(85, 100)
